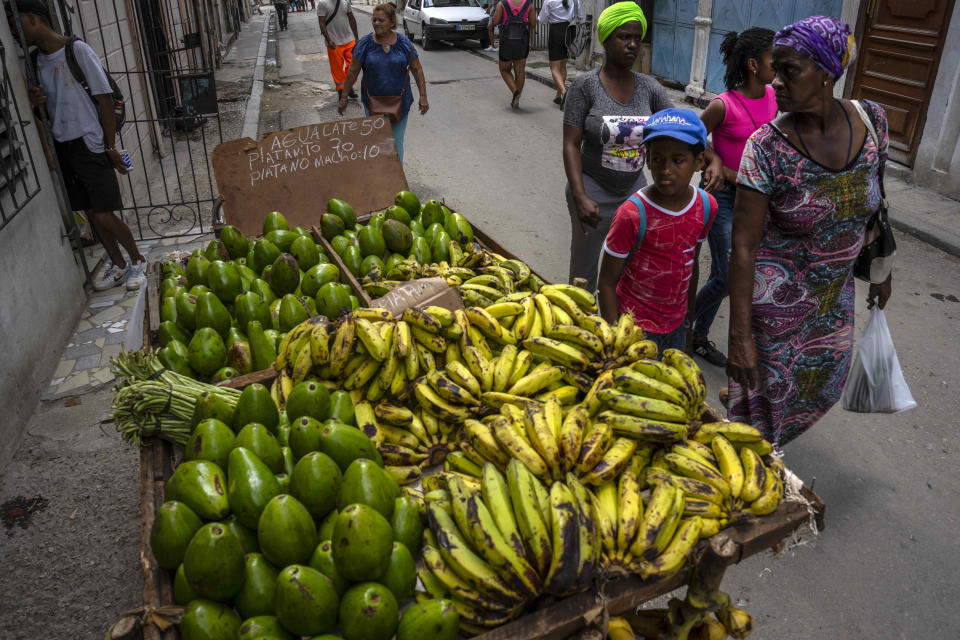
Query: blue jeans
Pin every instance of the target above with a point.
(676, 339)
(717, 286)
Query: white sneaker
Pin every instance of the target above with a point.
(114, 276)
(137, 277)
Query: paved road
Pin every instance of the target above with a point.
(887, 564)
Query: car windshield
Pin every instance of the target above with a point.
(450, 3)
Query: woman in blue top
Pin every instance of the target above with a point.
(385, 56)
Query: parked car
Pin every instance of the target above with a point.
(434, 20)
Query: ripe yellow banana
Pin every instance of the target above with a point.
(441, 578)
(697, 470)
(320, 342)
(521, 366)
(632, 381)
(655, 516)
(571, 436)
(675, 555)
(399, 455)
(540, 435)
(754, 476)
(505, 309)
(366, 421)
(503, 367)
(735, 432)
(592, 400)
(690, 371)
(565, 302)
(600, 328)
(612, 463)
(518, 447)
(450, 390)
(671, 524)
(619, 629)
(644, 429)
(535, 381)
(370, 336)
(393, 414)
(595, 444)
(362, 375)
(488, 325)
(641, 350)
(577, 336)
(769, 500)
(623, 333)
(691, 487)
(481, 438)
(558, 352)
(404, 474)
(607, 499)
(584, 299)
(630, 508)
(417, 318)
(342, 347)
(461, 374)
(545, 309)
(434, 404)
(729, 463)
(641, 407)
(553, 409)
(589, 535)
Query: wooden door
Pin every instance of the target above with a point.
(900, 44)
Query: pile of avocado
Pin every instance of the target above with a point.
(282, 525)
(405, 231)
(226, 311)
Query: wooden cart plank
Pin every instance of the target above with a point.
(264, 376)
(148, 564)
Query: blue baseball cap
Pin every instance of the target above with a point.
(681, 124)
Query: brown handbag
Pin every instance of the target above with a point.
(391, 106)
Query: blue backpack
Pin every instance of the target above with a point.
(642, 227)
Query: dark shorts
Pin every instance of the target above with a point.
(557, 41)
(90, 178)
(514, 49)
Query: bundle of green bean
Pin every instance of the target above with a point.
(153, 401)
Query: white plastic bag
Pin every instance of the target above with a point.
(875, 383)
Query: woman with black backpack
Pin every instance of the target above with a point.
(517, 24)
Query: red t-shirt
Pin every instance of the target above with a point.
(655, 279)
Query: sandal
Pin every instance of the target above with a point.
(515, 103)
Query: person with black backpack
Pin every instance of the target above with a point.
(517, 27)
(82, 107)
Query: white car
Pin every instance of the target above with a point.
(434, 20)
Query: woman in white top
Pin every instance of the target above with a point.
(559, 14)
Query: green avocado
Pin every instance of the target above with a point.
(317, 276)
(173, 359)
(264, 627)
(202, 486)
(264, 253)
(316, 481)
(305, 600)
(197, 267)
(273, 221)
(211, 313)
(174, 525)
(256, 405)
(440, 247)
(224, 281)
(308, 398)
(306, 252)
(345, 444)
(460, 230)
(344, 211)
(183, 593)
(371, 241)
(429, 620)
(322, 560)
(170, 331)
(258, 439)
(432, 212)
(292, 311)
(246, 537)
(407, 524)
(362, 543)
(397, 236)
(208, 620)
(239, 355)
(211, 405)
(206, 351)
(211, 440)
(286, 533)
(261, 347)
(213, 563)
(282, 238)
(409, 201)
(256, 595)
(235, 242)
(250, 486)
(187, 311)
(223, 374)
(284, 274)
(304, 436)
(401, 574)
(331, 226)
(341, 407)
(420, 250)
(333, 300)
(367, 483)
(368, 611)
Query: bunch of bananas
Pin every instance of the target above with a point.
(480, 274)
(408, 440)
(680, 620)
(694, 488)
(496, 543)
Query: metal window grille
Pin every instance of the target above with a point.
(18, 173)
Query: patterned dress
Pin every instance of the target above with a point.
(803, 291)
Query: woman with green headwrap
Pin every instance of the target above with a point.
(603, 120)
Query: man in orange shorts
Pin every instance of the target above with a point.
(339, 29)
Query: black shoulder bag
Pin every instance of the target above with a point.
(875, 262)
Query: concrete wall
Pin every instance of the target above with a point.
(41, 295)
(938, 158)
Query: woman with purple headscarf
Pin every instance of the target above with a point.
(807, 185)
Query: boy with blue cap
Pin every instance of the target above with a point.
(649, 264)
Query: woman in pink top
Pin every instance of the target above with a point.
(746, 105)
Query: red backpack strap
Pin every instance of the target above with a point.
(641, 229)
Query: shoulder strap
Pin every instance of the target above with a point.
(705, 200)
(336, 8)
(74, 66)
(641, 229)
(868, 122)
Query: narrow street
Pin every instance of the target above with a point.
(886, 564)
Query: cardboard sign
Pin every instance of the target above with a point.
(295, 172)
(420, 293)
